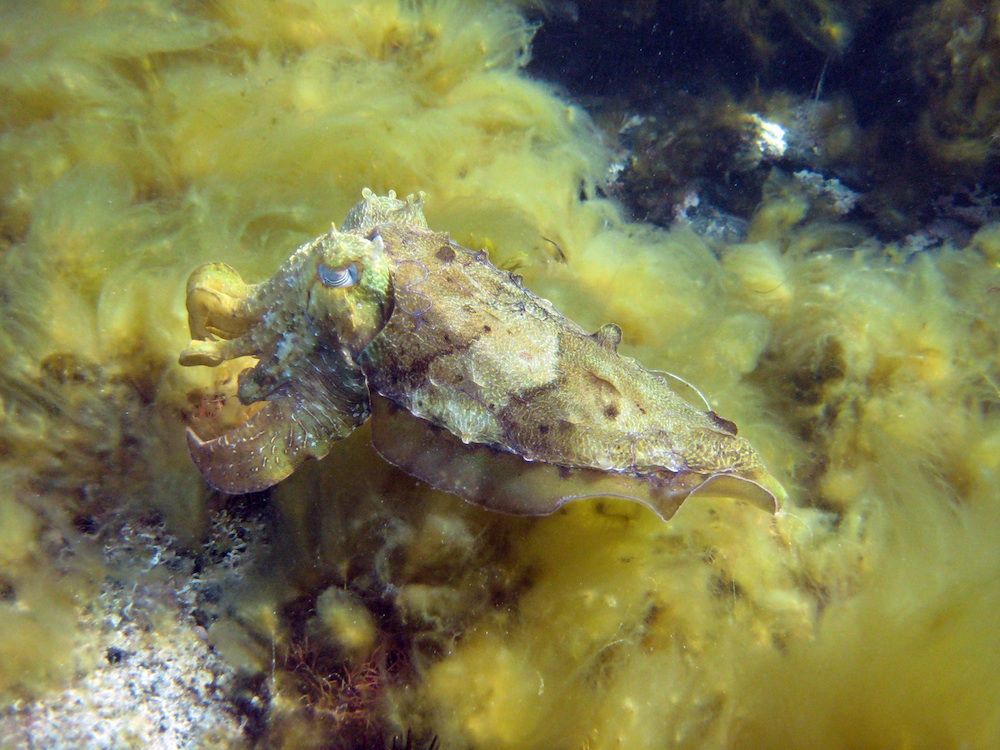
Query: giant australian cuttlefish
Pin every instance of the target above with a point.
(474, 384)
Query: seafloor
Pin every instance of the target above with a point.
(792, 205)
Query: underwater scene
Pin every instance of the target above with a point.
(468, 375)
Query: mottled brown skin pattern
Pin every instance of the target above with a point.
(466, 333)
(481, 388)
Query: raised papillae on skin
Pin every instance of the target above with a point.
(474, 384)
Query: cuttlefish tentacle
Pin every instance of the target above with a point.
(212, 353)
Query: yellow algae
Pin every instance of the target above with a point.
(774, 218)
(638, 612)
(953, 65)
(762, 276)
(18, 530)
(893, 665)
(346, 622)
(39, 607)
(141, 139)
(987, 241)
(37, 635)
(235, 642)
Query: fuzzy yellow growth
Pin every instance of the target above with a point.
(346, 622)
(896, 665)
(647, 620)
(38, 611)
(954, 64)
(141, 139)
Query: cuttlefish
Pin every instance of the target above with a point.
(473, 384)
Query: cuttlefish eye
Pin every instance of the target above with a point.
(335, 277)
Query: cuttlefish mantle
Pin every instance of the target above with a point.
(474, 384)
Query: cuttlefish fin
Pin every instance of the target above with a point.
(300, 419)
(505, 482)
(759, 489)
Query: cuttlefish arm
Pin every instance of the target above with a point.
(323, 400)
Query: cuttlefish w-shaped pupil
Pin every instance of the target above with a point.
(337, 277)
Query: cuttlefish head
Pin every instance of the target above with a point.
(335, 291)
(305, 326)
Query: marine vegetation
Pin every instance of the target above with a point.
(352, 603)
(477, 386)
(951, 48)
